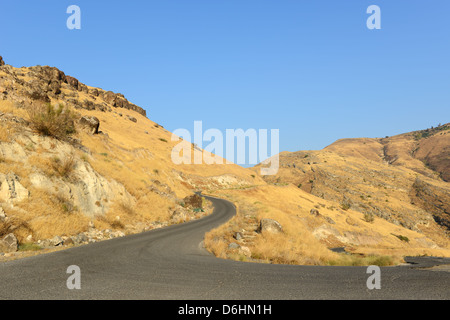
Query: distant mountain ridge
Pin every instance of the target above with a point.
(424, 151)
(403, 178)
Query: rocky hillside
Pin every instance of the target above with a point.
(79, 164)
(48, 84)
(425, 151)
(400, 179)
(84, 164)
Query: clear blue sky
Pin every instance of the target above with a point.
(309, 68)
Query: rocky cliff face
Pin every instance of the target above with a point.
(49, 84)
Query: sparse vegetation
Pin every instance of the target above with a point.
(369, 217)
(48, 120)
(345, 205)
(29, 247)
(65, 167)
(402, 238)
(355, 260)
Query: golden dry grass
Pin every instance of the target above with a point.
(370, 242)
(44, 217)
(138, 155)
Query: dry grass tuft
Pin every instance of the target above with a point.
(64, 168)
(48, 120)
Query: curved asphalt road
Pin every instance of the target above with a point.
(170, 263)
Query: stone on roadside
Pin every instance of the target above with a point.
(233, 245)
(270, 226)
(57, 241)
(245, 251)
(9, 244)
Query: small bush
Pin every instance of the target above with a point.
(48, 120)
(116, 224)
(163, 140)
(402, 238)
(345, 205)
(64, 167)
(368, 217)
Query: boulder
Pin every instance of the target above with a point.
(315, 212)
(91, 123)
(132, 118)
(57, 241)
(69, 241)
(9, 244)
(245, 251)
(270, 226)
(2, 63)
(109, 98)
(80, 238)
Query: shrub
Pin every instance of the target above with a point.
(345, 205)
(65, 167)
(48, 120)
(402, 238)
(368, 217)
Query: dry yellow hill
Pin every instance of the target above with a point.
(379, 180)
(425, 151)
(119, 179)
(88, 186)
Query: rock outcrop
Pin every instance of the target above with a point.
(11, 190)
(270, 226)
(90, 123)
(49, 84)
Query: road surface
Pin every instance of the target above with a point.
(170, 263)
